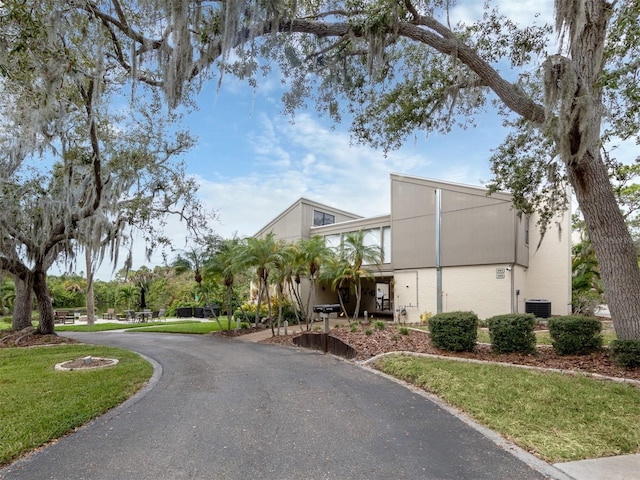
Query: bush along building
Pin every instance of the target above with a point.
(446, 247)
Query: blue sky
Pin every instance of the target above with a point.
(252, 162)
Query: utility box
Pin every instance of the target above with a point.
(540, 308)
(184, 312)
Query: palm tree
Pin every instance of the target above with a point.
(336, 270)
(190, 260)
(584, 266)
(262, 254)
(313, 253)
(127, 295)
(284, 269)
(357, 254)
(224, 263)
(348, 269)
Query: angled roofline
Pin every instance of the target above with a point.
(304, 201)
(459, 187)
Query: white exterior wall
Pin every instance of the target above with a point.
(415, 291)
(481, 289)
(549, 274)
(472, 288)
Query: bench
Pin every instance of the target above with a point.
(63, 317)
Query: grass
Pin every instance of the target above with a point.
(558, 417)
(182, 327)
(103, 327)
(39, 404)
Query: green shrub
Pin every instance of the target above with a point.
(575, 335)
(512, 333)
(404, 330)
(354, 327)
(379, 324)
(368, 332)
(454, 331)
(585, 303)
(626, 353)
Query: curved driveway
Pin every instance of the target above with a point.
(226, 409)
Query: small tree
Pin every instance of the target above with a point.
(312, 254)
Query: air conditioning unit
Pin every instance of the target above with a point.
(540, 308)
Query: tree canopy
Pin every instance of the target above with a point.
(398, 67)
(75, 173)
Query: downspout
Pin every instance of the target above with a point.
(514, 300)
(438, 250)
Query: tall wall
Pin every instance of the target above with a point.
(549, 274)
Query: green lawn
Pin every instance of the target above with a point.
(192, 327)
(101, 327)
(39, 404)
(559, 417)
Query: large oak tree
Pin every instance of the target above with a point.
(75, 173)
(400, 65)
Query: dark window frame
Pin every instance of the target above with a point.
(322, 218)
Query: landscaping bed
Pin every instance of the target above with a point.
(28, 338)
(390, 339)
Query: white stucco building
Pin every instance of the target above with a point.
(446, 247)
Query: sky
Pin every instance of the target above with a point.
(252, 162)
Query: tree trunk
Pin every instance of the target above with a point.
(91, 305)
(269, 310)
(230, 307)
(259, 304)
(23, 304)
(41, 291)
(311, 300)
(578, 139)
(612, 243)
(358, 292)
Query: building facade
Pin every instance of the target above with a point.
(446, 247)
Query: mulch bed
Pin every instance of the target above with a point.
(28, 338)
(391, 340)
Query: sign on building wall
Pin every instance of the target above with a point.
(500, 273)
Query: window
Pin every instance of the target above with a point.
(333, 241)
(321, 218)
(386, 244)
(371, 238)
(526, 230)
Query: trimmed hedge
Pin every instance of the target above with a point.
(575, 335)
(512, 333)
(626, 353)
(454, 331)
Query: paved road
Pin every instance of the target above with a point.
(224, 409)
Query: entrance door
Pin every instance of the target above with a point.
(382, 297)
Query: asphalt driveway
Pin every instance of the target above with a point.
(226, 409)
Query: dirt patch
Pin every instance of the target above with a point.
(29, 338)
(86, 363)
(238, 333)
(391, 340)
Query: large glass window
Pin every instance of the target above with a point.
(371, 238)
(333, 241)
(386, 244)
(321, 218)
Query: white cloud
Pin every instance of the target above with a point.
(252, 163)
(523, 12)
